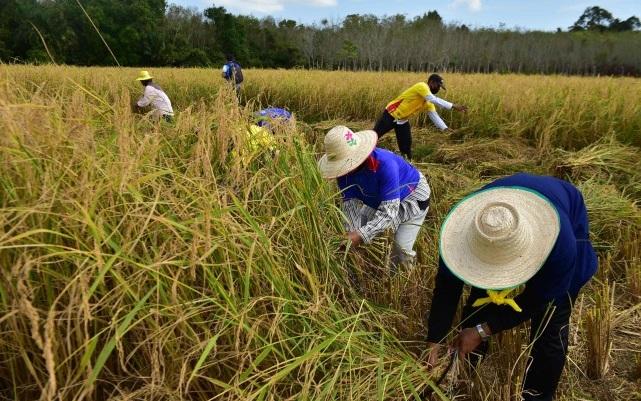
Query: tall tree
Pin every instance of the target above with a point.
(593, 19)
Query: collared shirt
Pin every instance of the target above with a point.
(158, 99)
(386, 190)
(417, 98)
(571, 263)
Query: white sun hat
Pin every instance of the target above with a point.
(500, 237)
(345, 150)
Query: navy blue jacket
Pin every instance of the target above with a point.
(571, 263)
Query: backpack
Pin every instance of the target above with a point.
(234, 72)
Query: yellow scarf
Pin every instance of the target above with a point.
(499, 298)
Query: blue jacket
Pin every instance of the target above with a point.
(384, 176)
(570, 265)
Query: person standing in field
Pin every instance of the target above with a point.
(233, 73)
(417, 98)
(521, 230)
(381, 190)
(155, 97)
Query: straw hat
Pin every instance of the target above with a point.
(345, 150)
(500, 237)
(143, 76)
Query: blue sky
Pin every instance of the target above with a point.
(528, 14)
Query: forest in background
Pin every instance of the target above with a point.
(155, 33)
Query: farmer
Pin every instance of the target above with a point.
(419, 97)
(260, 134)
(522, 230)
(380, 190)
(155, 97)
(233, 73)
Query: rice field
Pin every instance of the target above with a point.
(144, 261)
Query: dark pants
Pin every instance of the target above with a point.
(403, 132)
(549, 336)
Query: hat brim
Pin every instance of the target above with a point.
(461, 257)
(340, 167)
(144, 78)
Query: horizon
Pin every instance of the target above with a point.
(544, 15)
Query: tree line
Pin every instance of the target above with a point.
(151, 32)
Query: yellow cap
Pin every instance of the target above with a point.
(144, 76)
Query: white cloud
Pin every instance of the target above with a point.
(270, 6)
(473, 5)
(322, 3)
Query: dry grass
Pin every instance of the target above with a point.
(141, 262)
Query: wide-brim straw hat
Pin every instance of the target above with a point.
(345, 150)
(144, 76)
(500, 237)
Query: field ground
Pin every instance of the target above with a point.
(145, 261)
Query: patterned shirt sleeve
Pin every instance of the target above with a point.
(386, 216)
(352, 211)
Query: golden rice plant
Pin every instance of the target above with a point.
(143, 260)
(146, 261)
(598, 327)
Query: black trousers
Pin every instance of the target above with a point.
(549, 336)
(403, 132)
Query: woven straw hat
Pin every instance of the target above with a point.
(345, 150)
(500, 237)
(143, 76)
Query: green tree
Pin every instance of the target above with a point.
(593, 19)
(228, 34)
(631, 24)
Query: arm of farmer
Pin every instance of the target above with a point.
(145, 100)
(352, 211)
(444, 104)
(550, 284)
(469, 338)
(438, 122)
(225, 69)
(445, 299)
(387, 212)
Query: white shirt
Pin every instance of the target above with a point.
(158, 99)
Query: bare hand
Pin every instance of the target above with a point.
(355, 238)
(460, 107)
(467, 341)
(433, 350)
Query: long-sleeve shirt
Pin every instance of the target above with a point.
(571, 263)
(384, 192)
(417, 98)
(157, 98)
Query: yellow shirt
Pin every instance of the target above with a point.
(410, 102)
(258, 140)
